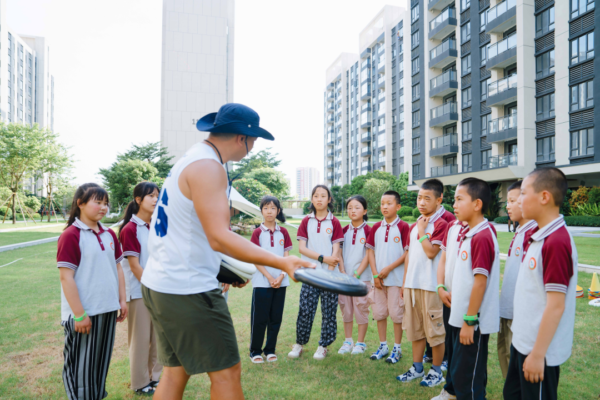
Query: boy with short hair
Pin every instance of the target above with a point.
(474, 314)
(424, 314)
(511, 271)
(544, 321)
(387, 245)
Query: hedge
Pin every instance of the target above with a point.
(416, 213)
(570, 221)
(448, 208)
(405, 211)
(501, 220)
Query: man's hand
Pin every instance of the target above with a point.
(533, 368)
(292, 263)
(466, 334)
(422, 225)
(385, 272)
(239, 285)
(83, 326)
(378, 283)
(446, 297)
(123, 312)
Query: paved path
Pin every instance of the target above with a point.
(44, 225)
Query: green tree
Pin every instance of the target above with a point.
(401, 183)
(33, 203)
(274, 180)
(123, 176)
(251, 189)
(151, 152)
(358, 182)
(372, 191)
(55, 171)
(262, 159)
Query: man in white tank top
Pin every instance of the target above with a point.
(189, 228)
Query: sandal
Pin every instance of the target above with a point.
(258, 359)
(271, 358)
(145, 391)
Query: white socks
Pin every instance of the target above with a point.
(383, 343)
(349, 340)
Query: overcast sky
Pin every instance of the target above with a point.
(106, 58)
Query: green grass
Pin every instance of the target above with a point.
(594, 233)
(9, 225)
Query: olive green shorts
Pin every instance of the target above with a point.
(193, 331)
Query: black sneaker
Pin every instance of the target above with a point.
(146, 391)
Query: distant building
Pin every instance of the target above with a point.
(306, 179)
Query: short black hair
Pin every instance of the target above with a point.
(362, 201)
(478, 190)
(552, 180)
(515, 185)
(266, 200)
(312, 208)
(393, 193)
(435, 185)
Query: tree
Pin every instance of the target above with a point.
(274, 180)
(22, 148)
(251, 189)
(372, 191)
(401, 183)
(55, 169)
(262, 159)
(153, 153)
(123, 176)
(358, 182)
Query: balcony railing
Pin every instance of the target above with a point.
(365, 63)
(338, 148)
(447, 108)
(439, 80)
(449, 13)
(447, 45)
(330, 176)
(365, 150)
(444, 170)
(501, 161)
(381, 129)
(382, 159)
(364, 135)
(381, 79)
(503, 123)
(501, 85)
(381, 49)
(364, 164)
(500, 9)
(502, 46)
(381, 95)
(446, 140)
(365, 106)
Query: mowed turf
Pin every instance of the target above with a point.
(31, 344)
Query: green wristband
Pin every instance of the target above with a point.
(470, 318)
(375, 276)
(356, 274)
(423, 238)
(439, 286)
(80, 318)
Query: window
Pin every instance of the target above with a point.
(466, 98)
(483, 55)
(545, 149)
(578, 7)
(416, 121)
(414, 14)
(485, 158)
(416, 91)
(415, 65)
(582, 95)
(482, 21)
(582, 143)
(464, 4)
(467, 133)
(467, 162)
(414, 39)
(415, 146)
(544, 64)
(582, 48)
(484, 87)
(544, 22)
(484, 124)
(545, 107)
(465, 32)
(416, 171)
(466, 65)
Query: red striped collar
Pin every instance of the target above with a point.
(396, 222)
(265, 229)
(329, 216)
(552, 227)
(138, 221)
(82, 226)
(356, 229)
(524, 228)
(478, 228)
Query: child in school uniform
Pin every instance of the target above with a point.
(144, 367)
(387, 245)
(268, 295)
(511, 271)
(424, 309)
(355, 263)
(92, 293)
(319, 237)
(544, 321)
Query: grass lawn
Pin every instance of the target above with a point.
(31, 343)
(20, 224)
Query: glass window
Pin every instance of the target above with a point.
(582, 143)
(465, 32)
(578, 7)
(416, 171)
(466, 65)
(545, 107)
(467, 130)
(414, 39)
(416, 121)
(484, 124)
(415, 65)
(485, 158)
(414, 14)
(544, 64)
(467, 162)
(482, 21)
(544, 22)
(582, 95)
(484, 87)
(582, 48)
(464, 4)
(416, 91)
(415, 145)
(483, 54)
(466, 98)
(545, 149)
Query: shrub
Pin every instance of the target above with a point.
(372, 191)
(4, 210)
(582, 221)
(251, 189)
(565, 209)
(448, 208)
(416, 213)
(594, 195)
(590, 210)
(32, 203)
(501, 220)
(306, 208)
(579, 197)
(408, 198)
(405, 211)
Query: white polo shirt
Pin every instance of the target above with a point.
(275, 242)
(454, 234)
(94, 258)
(320, 236)
(422, 271)
(134, 242)
(354, 250)
(389, 241)
(549, 265)
(478, 254)
(511, 270)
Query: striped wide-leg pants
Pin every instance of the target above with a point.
(87, 357)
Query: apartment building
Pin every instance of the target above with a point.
(497, 89)
(306, 179)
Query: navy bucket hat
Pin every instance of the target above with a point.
(234, 118)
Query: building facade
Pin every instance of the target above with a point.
(306, 179)
(497, 89)
(197, 67)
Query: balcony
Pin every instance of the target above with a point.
(443, 84)
(381, 49)
(330, 153)
(365, 137)
(366, 64)
(443, 115)
(330, 165)
(501, 161)
(338, 122)
(443, 54)
(382, 159)
(366, 107)
(365, 92)
(338, 88)
(338, 149)
(381, 65)
(330, 108)
(365, 53)
(381, 96)
(444, 170)
(502, 129)
(443, 24)
(330, 119)
(330, 140)
(330, 176)
(503, 53)
(381, 82)
(502, 91)
(330, 96)
(438, 4)
(502, 17)
(365, 151)
(444, 145)
(365, 120)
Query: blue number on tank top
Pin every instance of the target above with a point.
(162, 221)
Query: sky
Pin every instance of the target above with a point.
(106, 61)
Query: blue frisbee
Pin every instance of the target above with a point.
(332, 281)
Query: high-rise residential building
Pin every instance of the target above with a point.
(306, 179)
(197, 67)
(497, 89)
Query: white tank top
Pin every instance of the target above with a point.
(181, 260)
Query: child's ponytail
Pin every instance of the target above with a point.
(140, 190)
(312, 209)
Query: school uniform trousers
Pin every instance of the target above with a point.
(87, 357)
(517, 388)
(143, 354)
(309, 299)
(267, 314)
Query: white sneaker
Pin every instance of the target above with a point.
(360, 348)
(296, 351)
(320, 353)
(381, 352)
(432, 379)
(346, 348)
(444, 396)
(410, 375)
(444, 366)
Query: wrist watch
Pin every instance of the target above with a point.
(320, 259)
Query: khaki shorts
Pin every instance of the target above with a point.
(424, 316)
(387, 302)
(355, 306)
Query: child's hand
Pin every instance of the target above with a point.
(123, 312)
(446, 297)
(402, 293)
(533, 368)
(276, 284)
(422, 225)
(466, 334)
(384, 273)
(379, 283)
(331, 261)
(83, 326)
(226, 287)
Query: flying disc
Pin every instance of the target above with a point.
(332, 281)
(234, 271)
